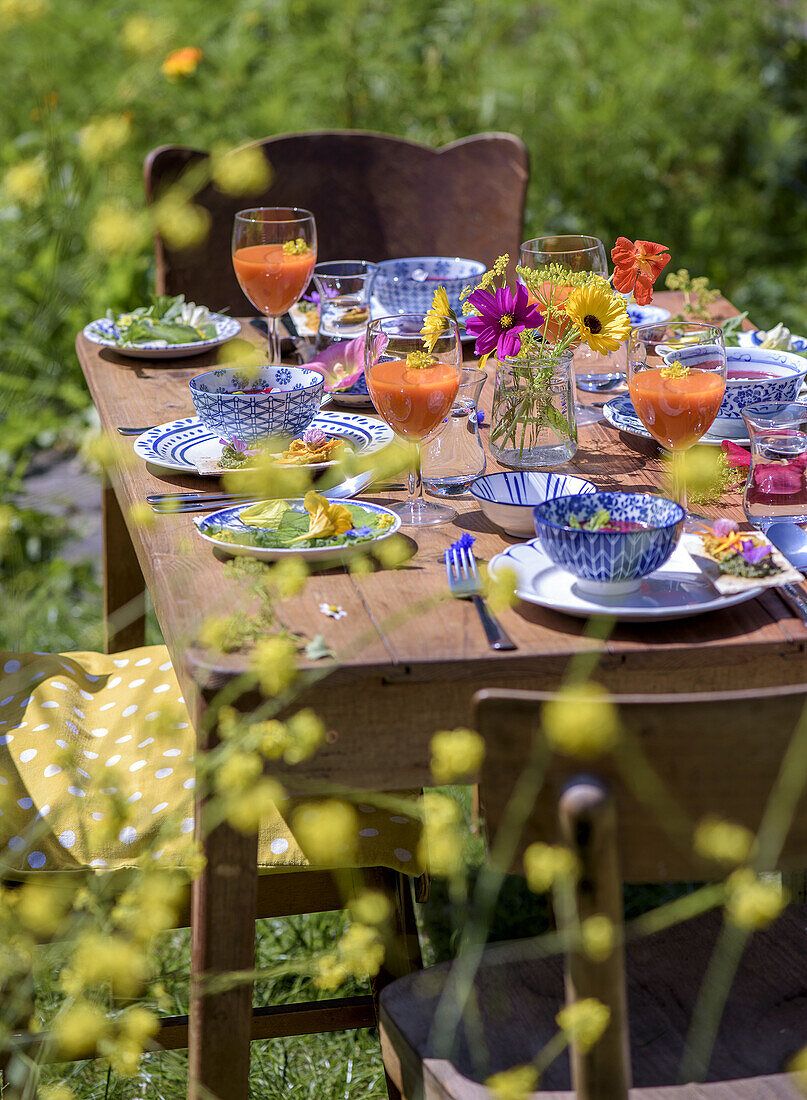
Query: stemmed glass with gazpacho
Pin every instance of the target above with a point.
(676, 379)
(274, 252)
(413, 390)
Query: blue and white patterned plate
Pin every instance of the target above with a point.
(620, 414)
(754, 338)
(377, 310)
(675, 591)
(178, 445)
(100, 332)
(231, 519)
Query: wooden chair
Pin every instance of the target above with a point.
(375, 197)
(716, 755)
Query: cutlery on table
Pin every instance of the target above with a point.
(135, 431)
(795, 600)
(464, 583)
(791, 540)
(600, 383)
(207, 502)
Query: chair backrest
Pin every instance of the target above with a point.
(374, 196)
(713, 754)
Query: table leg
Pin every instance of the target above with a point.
(223, 903)
(124, 587)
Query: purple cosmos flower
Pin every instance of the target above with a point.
(752, 553)
(504, 316)
(464, 542)
(723, 527)
(341, 365)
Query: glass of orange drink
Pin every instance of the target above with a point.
(274, 250)
(677, 378)
(413, 390)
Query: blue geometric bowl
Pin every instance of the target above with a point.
(408, 286)
(287, 410)
(787, 371)
(609, 562)
(647, 315)
(508, 498)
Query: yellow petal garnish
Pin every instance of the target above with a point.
(268, 513)
(295, 248)
(675, 370)
(326, 520)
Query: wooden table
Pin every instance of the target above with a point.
(398, 685)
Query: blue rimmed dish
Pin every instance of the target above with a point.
(294, 400)
(104, 332)
(609, 562)
(508, 498)
(408, 285)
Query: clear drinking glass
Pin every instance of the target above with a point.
(413, 391)
(776, 488)
(452, 458)
(532, 422)
(345, 287)
(274, 250)
(676, 379)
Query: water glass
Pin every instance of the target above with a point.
(776, 488)
(454, 457)
(345, 287)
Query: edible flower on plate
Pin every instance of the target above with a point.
(326, 518)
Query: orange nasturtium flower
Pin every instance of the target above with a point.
(637, 266)
(182, 62)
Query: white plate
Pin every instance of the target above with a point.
(176, 446)
(99, 332)
(620, 414)
(230, 518)
(754, 337)
(377, 310)
(676, 591)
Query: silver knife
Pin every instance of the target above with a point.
(795, 600)
(173, 503)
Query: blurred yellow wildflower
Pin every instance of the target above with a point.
(361, 950)
(102, 451)
(25, 182)
(123, 1055)
(79, 1028)
(440, 847)
(247, 809)
(500, 588)
(143, 34)
(274, 661)
(598, 935)
(138, 1023)
(142, 515)
(371, 907)
(56, 1092)
(544, 864)
(287, 577)
(393, 551)
(584, 1022)
(330, 973)
(327, 831)
(105, 960)
(456, 754)
(43, 906)
(515, 1083)
(581, 721)
(180, 223)
(723, 841)
(753, 902)
(103, 138)
(151, 905)
(798, 1067)
(241, 172)
(295, 740)
(238, 772)
(181, 63)
(117, 229)
(15, 12)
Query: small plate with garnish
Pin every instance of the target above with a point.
(189, 446)
(168, 328)
(736, 561)
(620, 414)
(313, 528)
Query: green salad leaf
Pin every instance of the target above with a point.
(171, 320)
(367, 526)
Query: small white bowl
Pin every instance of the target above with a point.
(508, 498)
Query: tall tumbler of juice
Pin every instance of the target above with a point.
(776, 489)
(274, 250)
(413, 389)
(677, 378)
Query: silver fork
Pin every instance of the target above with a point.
(464, 582)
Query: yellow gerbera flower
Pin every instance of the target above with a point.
(599, 315)
(434, 323)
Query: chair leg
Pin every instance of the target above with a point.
(124, 587)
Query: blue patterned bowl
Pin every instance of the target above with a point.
(508, 498)
(408, 286)
(609, 562)
(647, 315)
(287, 410)
(786, 370)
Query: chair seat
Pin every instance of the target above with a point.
(67, 718)
(518, 996)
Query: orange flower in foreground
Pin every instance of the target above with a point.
(182, 62)
(637, 266)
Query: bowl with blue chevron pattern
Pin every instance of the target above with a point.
(608, 562)
(292, 403)
(508, 498)
(408, 286)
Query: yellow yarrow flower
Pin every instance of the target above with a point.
(545, 864)
(599, 937)
(581, 721)
(79, 1028)
(599, 315)
(361, 950)
(274, 661)
(371, 907)
(25, 182)
(513, 1084)
(753, 902)
(584, 1022)
(440, 847)
(42, 906)
(142, 515)
(246, 810)
(138, 1023)
(238, 772)
(330, 973)
(327, 832)
(456, 754)
(103, 138)
(500, 588)
(56, 1092)
(106, 960)
(723, 841)
(241, 172)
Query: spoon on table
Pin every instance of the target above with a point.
(600, 383)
